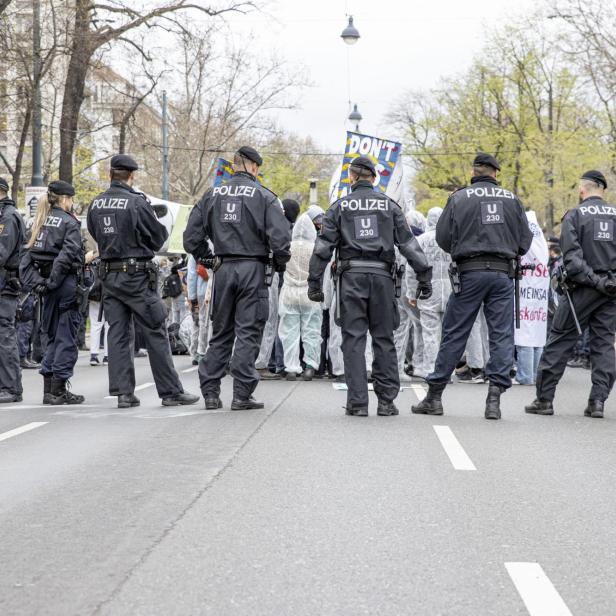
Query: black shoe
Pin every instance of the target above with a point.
(141, 353)
(268, 375)
(195, 362)
(356, 411)
(386, 409)
(577, 362)
(47, 390)
(493, 401)
(473, 376)
(126, 401)
(291, 376)
(27, 364)
(308, 374)
(61, 395)
(246, 405)
(594, 409)
(430, 405)
(105, 361)
(540, 407)
(7, 397)
(211, 404)
(180, 399)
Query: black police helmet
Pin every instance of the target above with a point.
(595, 176)
(123, 162)
(251, 154)
(4, 185)
(486, 160)
(59, 187)
(364, 163)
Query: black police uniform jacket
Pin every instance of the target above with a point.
(483, 219)
(59, 243)
(12, 236)
(241, 218)
(366, 224)
(124, 225)
(588, 242)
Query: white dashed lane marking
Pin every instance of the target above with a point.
(21, 430)
(537, 591)
(455, 451)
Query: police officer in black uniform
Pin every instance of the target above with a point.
(52, 267)
(485, 230)
(245, 222)
(124, 225)
(588, 243)
(365, 227)
(12, 239)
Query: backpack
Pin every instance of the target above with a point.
(172, 286)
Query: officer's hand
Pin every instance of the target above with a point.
(14, 284)
(424, 290)
(315, 294)
(40, 289)
(279, 267)
(607, 286)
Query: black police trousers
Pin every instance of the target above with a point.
(10, 372)
(496, 292)
(367, 302)
(60, 323)
(127, 297)
(595, 311)
(240, 308)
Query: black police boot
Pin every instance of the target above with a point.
(493, 401)
(212, 403)
(540, 407)
(61, 395)
(308, 374)
(126, 401)
(46, 390)
(430, 405)
(180, 399)
(594, 409)
(238, 404)
(356, 411)
(7, 397)
(386, 409)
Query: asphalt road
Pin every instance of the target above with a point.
(301, 510)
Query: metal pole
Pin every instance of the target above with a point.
(37, 176)
(165, 187)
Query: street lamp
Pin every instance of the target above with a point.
(356, 117)
(350, 35)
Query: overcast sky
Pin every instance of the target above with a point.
(403, 45)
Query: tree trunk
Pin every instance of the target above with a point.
(25, 130)
(74, 87)
(3, 5)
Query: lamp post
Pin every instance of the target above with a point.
(356, 117)
(350, 35)
(37, 176)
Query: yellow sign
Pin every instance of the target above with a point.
(176, 241)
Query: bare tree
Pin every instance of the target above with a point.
(3, 5)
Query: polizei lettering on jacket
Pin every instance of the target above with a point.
(489, 191)
(597, 209)
(235, 191)
(354, 205)
(110, 203)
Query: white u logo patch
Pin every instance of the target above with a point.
(603, 225)
(365, 223)
(231, 207)
(107, 221)
(492, 209)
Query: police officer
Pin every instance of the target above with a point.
(12, 239)
(52, 266)
(588, 244)
(124, 225)
(245, 222)
(485, 230)
(365, 227)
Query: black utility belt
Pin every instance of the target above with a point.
(9, 274)
(366, 266)
(231, 258)
(128, 266)
(486, 264)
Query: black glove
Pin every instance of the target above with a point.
(607, 286)
(315, 294)
(40, 289)
(14, 284)
(424, 290)
(279, 266)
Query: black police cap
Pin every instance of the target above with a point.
(365, 163)
(4, 185)
(595, 176)
(59, 187)
(124, 162)
(486, 160)
(251, 154)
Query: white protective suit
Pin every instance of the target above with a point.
(414, 219)
(432, 310)
(334, 342)
(269, 331)
(300, 319)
